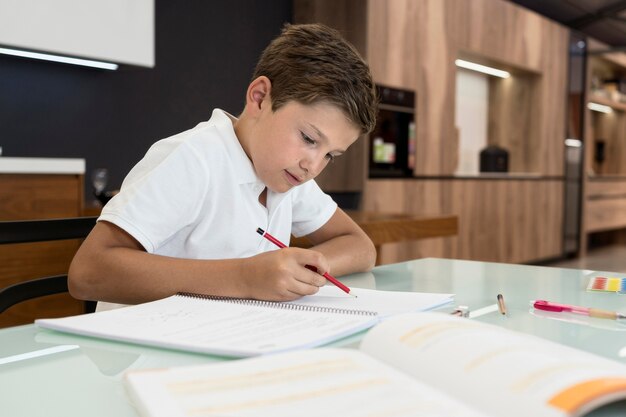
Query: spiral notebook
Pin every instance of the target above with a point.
(240, 327)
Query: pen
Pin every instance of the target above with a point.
(592, 312)
(501, 305)
(312, 268)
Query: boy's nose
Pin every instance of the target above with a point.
(312, 166)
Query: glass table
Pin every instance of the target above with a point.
(46, 373)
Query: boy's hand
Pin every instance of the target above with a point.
(284, 274)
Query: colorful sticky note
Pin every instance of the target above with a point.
(608, 284)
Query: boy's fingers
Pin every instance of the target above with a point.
(311, 277)
(300, 288)
(314, 261)
(319, 282)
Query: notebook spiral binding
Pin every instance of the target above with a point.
(277, 304)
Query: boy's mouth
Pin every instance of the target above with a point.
(292, 179)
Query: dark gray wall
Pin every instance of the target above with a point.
(205, 54)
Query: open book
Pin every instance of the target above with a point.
(238, 327)
(416, 364)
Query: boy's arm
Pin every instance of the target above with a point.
(344, 244)
(112, 266)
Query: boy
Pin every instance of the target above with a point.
(185, 219)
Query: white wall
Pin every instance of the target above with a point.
(471, 112)
(120, 31)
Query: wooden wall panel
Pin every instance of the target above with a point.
(28, 197)
(420, 56)
(499, 221)
(549, 144)
(392, 50)
(501, 31)
(347, 16)
(513, 120)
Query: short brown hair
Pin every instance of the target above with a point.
(311, 63)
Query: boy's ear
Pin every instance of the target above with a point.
(258, 94)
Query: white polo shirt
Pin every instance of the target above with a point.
(195, 195)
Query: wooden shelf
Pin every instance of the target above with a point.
(615, 105)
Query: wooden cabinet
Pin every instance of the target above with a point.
(604, 202)
(499, 220)
(604, 205)
(38, 196)
(413, 45)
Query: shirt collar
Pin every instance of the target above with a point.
(243, 168)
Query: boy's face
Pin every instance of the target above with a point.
(294, 144)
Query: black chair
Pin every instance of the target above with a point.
(24, 231)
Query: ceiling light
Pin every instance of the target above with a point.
(599, 108)
(573, 143)
(481, 68)
(59, 58)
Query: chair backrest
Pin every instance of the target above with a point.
(23, 231)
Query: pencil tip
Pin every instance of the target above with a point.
(260, 231)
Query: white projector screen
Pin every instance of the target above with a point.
(119, 31)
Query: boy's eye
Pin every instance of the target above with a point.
(307, 139)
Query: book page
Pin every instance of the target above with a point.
(497, 370)
(212, 326)
(385, 303)
(311, 383)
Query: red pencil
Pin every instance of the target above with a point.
(326, 275)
